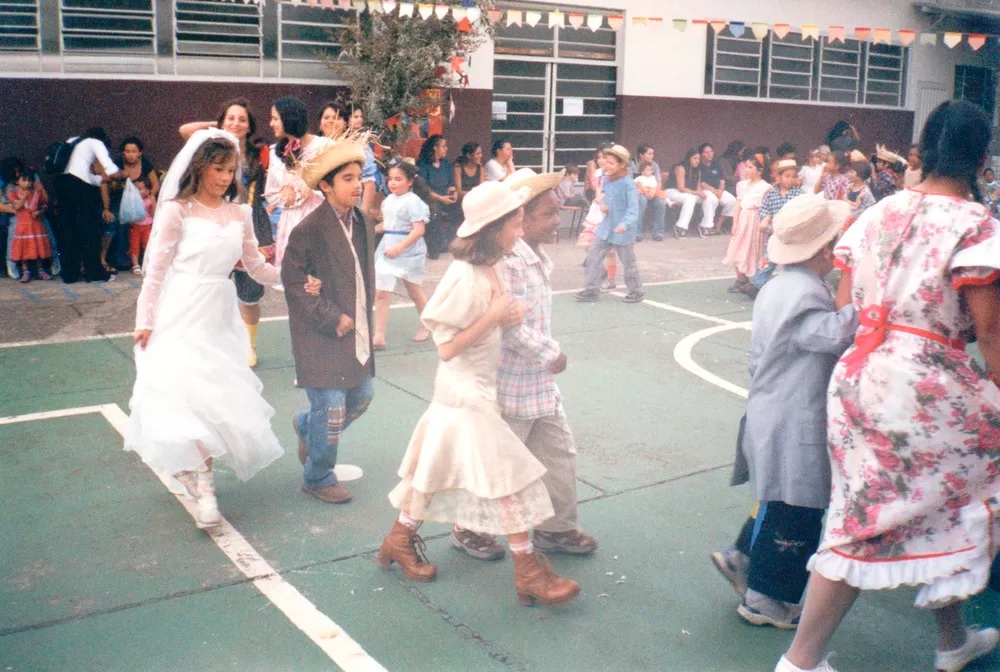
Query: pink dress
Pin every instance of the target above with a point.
(747, 245)
(914, 421)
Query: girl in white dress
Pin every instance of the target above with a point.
(464, 465)
(402, 253)
(195, 398)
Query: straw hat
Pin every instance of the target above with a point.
(786, 164)
(883, 154)
(338, 152)
(537, 184)
(804, 226)
(619, 153)
(487, 203)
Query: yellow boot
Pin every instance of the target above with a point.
(252, 331)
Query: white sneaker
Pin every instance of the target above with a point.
(189, 479)
(978, 643)
(758, 609)
(733, 565)
(784, 665)
(208, 507)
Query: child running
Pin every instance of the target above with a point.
(402, 253)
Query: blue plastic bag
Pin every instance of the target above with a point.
(132, 209)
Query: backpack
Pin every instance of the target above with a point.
(57, 156)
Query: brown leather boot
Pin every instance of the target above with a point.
(405, 546)
(534, 579)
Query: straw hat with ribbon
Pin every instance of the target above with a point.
(805, 226)
(785, 164)
(346, 149)
(537, 184)
(487, 203)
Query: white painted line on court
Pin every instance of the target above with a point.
(682, 355)
(678, 310)
(284, 318)
(323, 631)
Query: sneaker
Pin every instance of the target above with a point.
(207, 514)
(479, 546)
(733, 565)
(331, 494)
(736, 287)
(785, 665)
(25, 277)
(680, 233)
(978, 643)
(608, 286)
(749, 289)
(634, 297)
(762, 610)
(573, 542)
(44, 275)
(587, 295)
(189, 479)
(658, 239)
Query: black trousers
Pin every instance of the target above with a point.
(80, 229)
(786, 537)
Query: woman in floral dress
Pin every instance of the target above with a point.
(914, 421)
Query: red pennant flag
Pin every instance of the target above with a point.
(862, 33)
(576, 20)
(494, 15)
(976, 41)
(615, 21)
(456, 63)
(907, 36)
(656, 21)
(464, 26)
(781, 30)
(718, 26)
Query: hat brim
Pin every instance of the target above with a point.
(536, 184)
(500, 209)
(781, 253)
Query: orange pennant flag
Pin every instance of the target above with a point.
(494, 15)
(781, 30)
(615, 21)
(656, 21)
(862, 33)
(882, 36)
(836, 34)
(718, 26)
(976, 41)
(907, 36)
(576, 20)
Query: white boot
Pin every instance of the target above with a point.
(208, 507)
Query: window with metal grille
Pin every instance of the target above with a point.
(217, 29)
(976, 85)
(563, 41)
(308, 34)
(797, 68)
(19, 25)
(91, 26)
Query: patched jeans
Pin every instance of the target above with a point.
(331, 411)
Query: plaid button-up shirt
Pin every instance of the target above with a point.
(526, 387)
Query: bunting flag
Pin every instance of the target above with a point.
(928, 38)
(656, 21)
(425, 11)
(440, 11)
(456, 63)
(389, 6)
(718, 26)
(760, 30)
(907, 36)
(464, 25)
(952, 39)
(406, 9)
(595, 21)
(513, 17)
(472, 13)
(359, 6)
(810, 31)
(344, 4)
(557, 18)
(327, 4)
(680, 24)
(836, 34)
(494, 15)
(976, 41)
(701, 23)
(458, 13)
(576, 20)
(615, 22)
(882, 36)
(781, 30)
(862, 33)
(640, 21)
(737, 28)
(532, 18)
(376, 6)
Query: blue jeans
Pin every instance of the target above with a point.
(761, 277)
(659, 214)
(331, 411)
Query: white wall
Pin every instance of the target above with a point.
(664, 62)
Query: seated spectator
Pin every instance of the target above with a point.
(469, 171)
(683, 187)
(645, 156)
(713, 188)
(566, 191)
(501, 166)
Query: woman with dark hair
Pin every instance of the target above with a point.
(912, 417)
(464, 465)
(333, 119)
(682, 187)
(435, 168)
(469, 171)
(135, 167)
(843, 137)
(295, 148)
(195, 400)
(729, 161)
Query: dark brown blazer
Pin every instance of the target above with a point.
(318, 247)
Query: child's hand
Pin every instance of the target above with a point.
(141, 337)
(380, 228)
(515, 316)
(313, 285)
(394, 252)
(620, 229)
(559, 365)
(500, 306)
(288, 195)
(344, 326)
(305, 192)
(604, 208)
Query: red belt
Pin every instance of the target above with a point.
(875, 318)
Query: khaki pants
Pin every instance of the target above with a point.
(550, 440)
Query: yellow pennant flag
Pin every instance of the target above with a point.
(680, 24)
(557, 18)
(952, 39)
(514, 17)
(760, 30)
(425, 11)
(810, 30)
(882, 36)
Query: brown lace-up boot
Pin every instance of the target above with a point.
(534, 579)
(405, 546)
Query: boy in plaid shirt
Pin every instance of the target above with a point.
(786, 188)
(526, 388)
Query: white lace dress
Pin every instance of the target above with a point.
(194, 395)
(464, 464)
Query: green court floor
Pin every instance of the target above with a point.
(102, 569)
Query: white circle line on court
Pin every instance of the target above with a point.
(682, 355)
(320, 628)
(283, 318)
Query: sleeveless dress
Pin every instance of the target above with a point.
(193, 385)
(464, 465)
(398, 215)
(747, 245)
(913, 420)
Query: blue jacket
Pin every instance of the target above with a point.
(622, 198)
